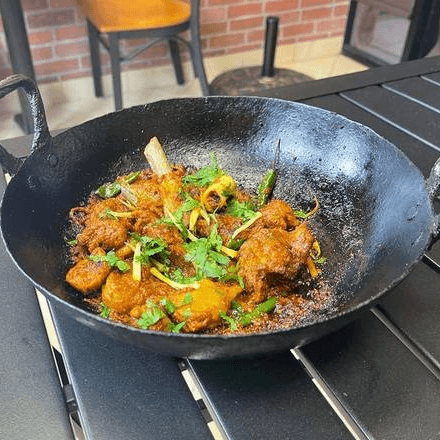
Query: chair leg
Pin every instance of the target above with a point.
(94, 58)
(175, 57)
(116, 69)
(196, 49)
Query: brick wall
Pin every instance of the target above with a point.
(58, 39)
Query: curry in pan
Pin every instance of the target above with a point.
(173, 249)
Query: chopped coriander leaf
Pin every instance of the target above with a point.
(179, 277)
(175, 328)
(300, 213)
(206, 175)
(72, 242)
(151, 316)
(105, 311)
(149, 247)
(231, 321)
(188, 205)
(243, 210)
(112, 260)
(204, 254)
(168, 306)
(187, 299)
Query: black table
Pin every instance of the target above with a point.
(376, 378)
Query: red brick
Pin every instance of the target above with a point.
(223, 2)
(226, 40)
(307, 3)
(333, 25)
(297, 29)
(5, 71)
(315, 14)
(69, 49)
(51, 18)
(158, 51)
(40, 37)
(70, 32)
(257, 36)
(54, 67)
(33, 5)
(290, 17)
(213, 28)
(213, 15)
(245, 10)
(41, 53)
(341, 10)
(281, 5)
(246, 23)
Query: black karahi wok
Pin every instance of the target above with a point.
(375, 221)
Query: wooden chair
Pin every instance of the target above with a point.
(156, 20)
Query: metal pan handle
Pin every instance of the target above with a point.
(433, 186)
(8, 162)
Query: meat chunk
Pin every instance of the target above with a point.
(122, 293)
(102, 230)
(278, 214)
(88, 276)
(273, 254)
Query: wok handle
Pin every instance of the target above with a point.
(9, 162)
(433, 186)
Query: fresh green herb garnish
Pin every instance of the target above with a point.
(243, 210)
(187, 299)
(72, 242)
(168, 306)
(206, 256)
(231, 321)
(175, 328)
(300, 213)
(151, 316)
(105, 311)
(149, 247)
(112, 260)
(206, 175)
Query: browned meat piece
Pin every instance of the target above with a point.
(227, 224)
(272, 254)
(102, 231)
(88, 276)
(207, 301)
(145, 217)
(122, 293)
(278, 214)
